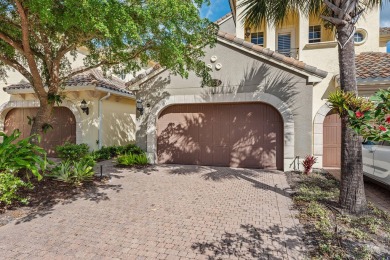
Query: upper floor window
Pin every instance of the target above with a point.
(257, 38)
(359, 37)
(315, 34)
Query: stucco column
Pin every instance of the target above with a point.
(303, 35)
(240, 25)
(270, 38)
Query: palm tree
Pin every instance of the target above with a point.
(342, 15)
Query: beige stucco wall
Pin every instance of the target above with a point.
(241, 74)
(118, 121)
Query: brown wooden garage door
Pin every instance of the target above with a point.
(236, 135)
(332, 141)
(63, 122)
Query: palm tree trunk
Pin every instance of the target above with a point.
(352, 194)
(42, 118)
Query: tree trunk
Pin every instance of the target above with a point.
(41, 119)
(352, 194)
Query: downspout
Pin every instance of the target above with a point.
(100, 130)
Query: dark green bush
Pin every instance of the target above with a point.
(21, 155)
(106, 153)
(72, 152)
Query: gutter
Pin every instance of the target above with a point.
(100, 130)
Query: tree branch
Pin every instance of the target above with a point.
(333, 7)
(84, 69)
(37, 80)
(12, 42)
(17, 66)
(335, 21)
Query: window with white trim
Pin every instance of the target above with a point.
(314, 33)
(358, 37)
(257, 38)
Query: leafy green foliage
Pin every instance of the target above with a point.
(368, 118)
(21, 155)
(106, 153)
(74, 172)
(120, 35)
(132, 159)
(9, 186)
(72, 152)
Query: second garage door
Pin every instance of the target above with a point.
(234, 135)
(63, 122)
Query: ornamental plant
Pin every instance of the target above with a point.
(308, 163)
(370, 118)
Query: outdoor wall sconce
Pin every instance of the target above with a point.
(84, 107)
(247, 32)
(140, 107)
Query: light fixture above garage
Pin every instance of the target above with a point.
(247, 32)
(84, 107)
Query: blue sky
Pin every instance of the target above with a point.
(219, 8)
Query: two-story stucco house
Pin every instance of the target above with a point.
(268, 102)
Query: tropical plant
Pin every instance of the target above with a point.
(343, 16)
(21, 155)
(370, 118)
(132, 159)
(72, 152)
(40, 39)
(308, 163)
(9, 187)
(74, 172)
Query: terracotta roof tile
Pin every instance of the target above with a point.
(384, 31)
(275, 55)
(91, 77)
(373, 66)
(223, 18)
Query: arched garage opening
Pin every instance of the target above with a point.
(63, 122)
(332, 140)
(230, 134)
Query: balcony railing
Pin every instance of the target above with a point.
(292, 53)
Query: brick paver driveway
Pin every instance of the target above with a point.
(166, 212)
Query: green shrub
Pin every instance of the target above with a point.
(106, 153)
(132, 159)
(74, 172)
(103, 154)
(72, 152)
(9, 187)
(21, 155)
(132, 148)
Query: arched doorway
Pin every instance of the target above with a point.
(332, 140)
(63, 122)
(231, 134)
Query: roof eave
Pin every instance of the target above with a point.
(29, 90)
(311, 77)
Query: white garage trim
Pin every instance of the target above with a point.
(6, 107)
(318, 133)
(284, 110)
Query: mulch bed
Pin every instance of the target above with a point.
(46, 193)
(343, 236)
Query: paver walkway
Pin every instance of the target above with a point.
(166, 212)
